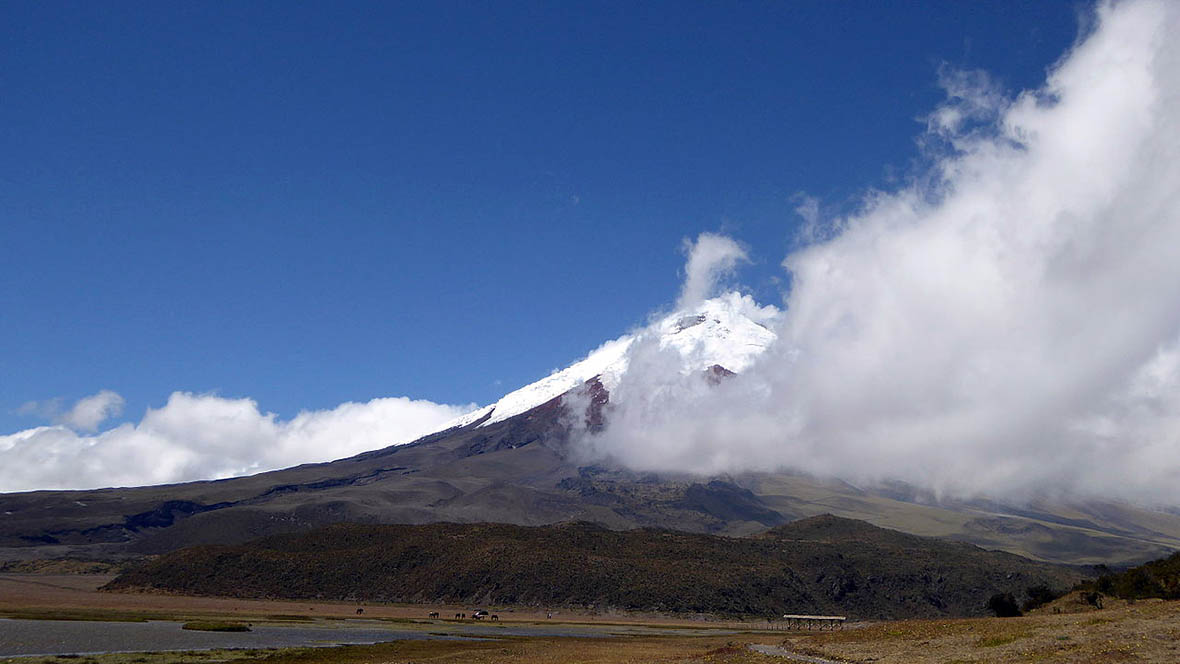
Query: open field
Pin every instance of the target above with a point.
(1143, 631)
(1146, 633)
(29, 595)
(521, 650)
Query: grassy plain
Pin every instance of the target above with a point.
(1143, 631)
(520, 650)
(76, 597)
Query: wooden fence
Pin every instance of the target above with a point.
(793, 622)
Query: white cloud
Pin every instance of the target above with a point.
(710, 259)
(91, 411)
(202, 436)
(973, 101)
(46, 410)
(1008, 323)
(86, 415)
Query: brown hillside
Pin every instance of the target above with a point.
(818, 565)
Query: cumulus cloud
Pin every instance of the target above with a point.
(93, 410)
(86, 414)
(710, 259)
(203, 436)
(1006, 323)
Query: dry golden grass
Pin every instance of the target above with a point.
(25, 595)
(655, 650)
(172, 657)
(1146, 631)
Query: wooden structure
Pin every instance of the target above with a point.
(791, 621)
(817, 622)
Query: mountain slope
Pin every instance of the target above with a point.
(1154, 579)
(729, 331)
(512, 462)
(822, 565)
(513, 471)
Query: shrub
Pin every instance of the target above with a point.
(214, 626)
(1003, 605)
(1038, 595)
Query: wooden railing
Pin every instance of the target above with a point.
(791, 622)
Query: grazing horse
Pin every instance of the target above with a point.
(359, 611)
(458, 616)
(495, 617)
(434, 614)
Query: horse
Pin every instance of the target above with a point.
(359, 611)
(495, 617)
(434, 614)
(458, 616)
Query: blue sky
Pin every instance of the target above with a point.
(312, 203)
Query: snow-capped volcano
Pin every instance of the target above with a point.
(730, 330)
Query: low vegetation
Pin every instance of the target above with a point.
(1143, 631)
(1156, 579)
(1004, 605)
(63, 566)
(215, 626)
(650, 650)
(821, 565)
(81, 614)
(219, 656)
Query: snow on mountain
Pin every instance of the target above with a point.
(607, 360)
(730, 330)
